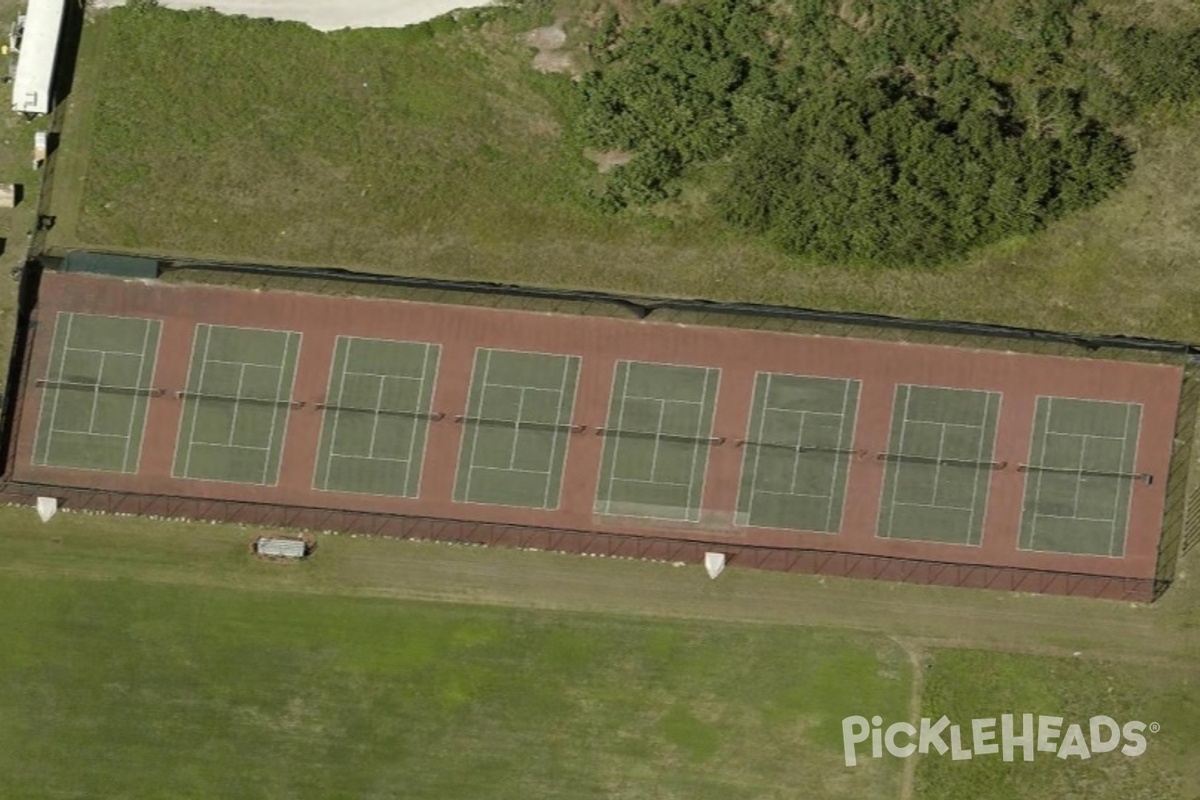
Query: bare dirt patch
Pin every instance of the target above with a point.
(606, 160)
(551, 57)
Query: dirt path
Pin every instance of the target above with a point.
(916, 657)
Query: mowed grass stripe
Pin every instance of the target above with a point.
(141, 690)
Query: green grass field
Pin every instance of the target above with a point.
(144, 658)
(128, 688)
(440, 151)
(148, 658)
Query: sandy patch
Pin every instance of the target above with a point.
(327, 15)
(549, 42)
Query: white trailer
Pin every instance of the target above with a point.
(36, 44)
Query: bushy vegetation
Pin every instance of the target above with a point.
(885, 132)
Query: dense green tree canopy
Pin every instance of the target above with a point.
(901, 132)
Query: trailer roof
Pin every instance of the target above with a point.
(38, 52)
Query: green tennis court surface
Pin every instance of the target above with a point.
(236, 404)
(95, 393)
(656, 444)
(938, 464)
(516, 428)
(376, 417)
(797, 453)
(1079, 477)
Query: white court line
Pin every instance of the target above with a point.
(839, 456)
(652, 482)
(937, 464)
(237, 403)
(417, 423)
(558, 422)
(133, 412)
(714, 373)
(360, 374)
(616, 401)
(517, 470)
(805, 410)
(256, 448)
(1076, 518)
(375, 417)
(424, 405)
(987, 406)
(62, 366)
(487, 366)
(512, 451)
(796, 455)
(896, 475)
(344, 343)
(359, 457)
(196, 398)
(794, 494)
(287, 341)
(96, 394)
(1037, 474)
(38, 443)
(494, 385)
(1079, 475)
(662, 413)
(1112, 535)
(666, 400)
(245, 363)
(89, 433)
(762, 427)
(99, 350)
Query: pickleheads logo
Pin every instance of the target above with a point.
(1035, 734)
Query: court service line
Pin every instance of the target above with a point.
(558, 422)
(839, 456)
(619, 402)
(133, 412)
(711, 374)
(197, 398)
(1112, 534)
(62, 367)
(428, 405)
(487, 367)
(762, 428)
(344, 344)
(287, 341)
(899, 464)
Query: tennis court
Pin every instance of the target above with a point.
(938, 464)
(236, 404)
(797, 452)
(1079, 478)
(516, 428)
(95, 392)
(376, 417)
(657, 437)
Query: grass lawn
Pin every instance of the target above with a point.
(123, 688)
(970, 684)
(438, 150)
(150, 658)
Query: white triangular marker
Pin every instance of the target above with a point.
(47, 507)
(714, 563)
